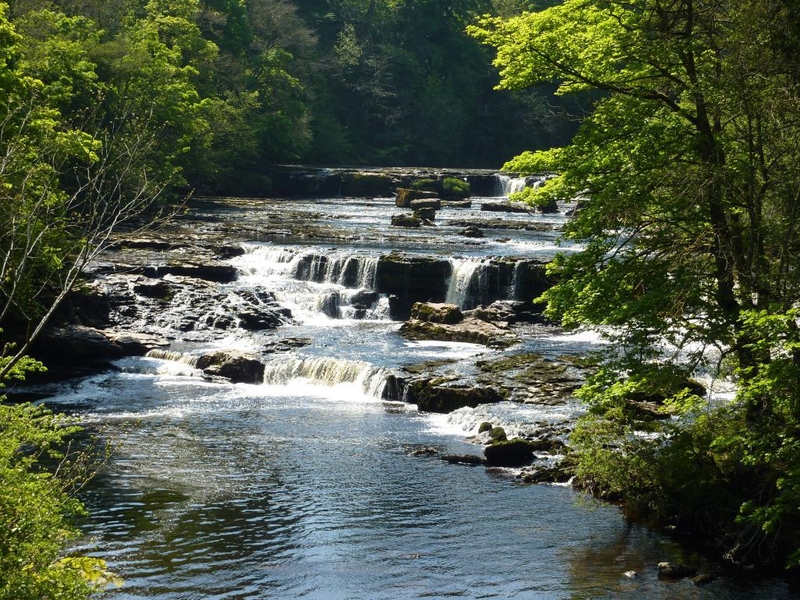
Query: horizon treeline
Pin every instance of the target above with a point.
(233, 86)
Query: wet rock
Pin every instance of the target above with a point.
(509, 311)
(74, 343)
(145, 244)
(509, 207)
(293, 182)
(471, 232)
(406, 221)
(205, 271)
(512, 453)
(456, 203)
(431, 312)
(153, 288)
(88, 305)
(228, 251)
(236, 366)
(443, 396)
(287, 344)
(394, 389)
(424, 451)
(404, 196)
(497, 434)
(411, 279)
(364, 298)
(550, 207)
(467, 330)
(136, 344)
(259, 320)
(532, 378)
(431, 203)
(484, 427)
(426, 215)
(670, 570)
(547, 474)
(703, 579)
(464, 459)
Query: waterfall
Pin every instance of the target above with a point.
(313, 282)
(187, 359)
(327, 371)
(465, 281)
(507, 185)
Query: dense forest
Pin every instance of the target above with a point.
(231, 86)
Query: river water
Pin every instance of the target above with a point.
(309, 485)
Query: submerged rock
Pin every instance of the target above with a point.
(671, 570)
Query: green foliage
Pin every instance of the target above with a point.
(425, 184)
(454, 187)
(37, 505)
(688, 229)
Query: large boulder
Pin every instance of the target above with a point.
(236, 366)
(442, 396)
(512, 453)
(404, 196)
(432, 312)
(468, 329)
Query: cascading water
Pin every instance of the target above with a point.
(309, 485)
(507, 185)
(315, 284)
(327, 371)
(464, 281)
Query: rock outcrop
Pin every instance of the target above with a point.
(404, 197)
(468, 329)
(236, 366)
(411, 279)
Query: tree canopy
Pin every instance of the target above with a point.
(686, 174)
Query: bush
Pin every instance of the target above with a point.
(37, 507)
(455, 188)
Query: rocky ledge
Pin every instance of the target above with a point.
(446, 322)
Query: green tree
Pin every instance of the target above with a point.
(686, 172)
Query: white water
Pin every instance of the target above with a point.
(464, 272)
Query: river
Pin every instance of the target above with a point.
(310, 485)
